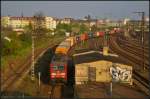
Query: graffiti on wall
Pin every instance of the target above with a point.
(120, 74)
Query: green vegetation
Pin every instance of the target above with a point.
(72, 27)
(16, 47)
(16, 44)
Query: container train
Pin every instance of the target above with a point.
(59, 63)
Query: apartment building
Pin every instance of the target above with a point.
(21, 22)
(50, 23)
(66, 20)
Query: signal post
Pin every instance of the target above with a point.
(105, 43)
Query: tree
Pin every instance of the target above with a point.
(38, 20)
(83, 28)
(38, 24)
(94, 28)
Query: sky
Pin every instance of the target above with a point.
(76, 9)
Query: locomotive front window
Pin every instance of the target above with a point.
(61, 67)
(55, 67)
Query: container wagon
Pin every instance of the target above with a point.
(63, 48)
(71, 40)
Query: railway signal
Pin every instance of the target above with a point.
(105, 46)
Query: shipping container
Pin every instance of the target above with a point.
(67, 34)
(72, 40)
(101, 33)
(90, 35)
(95, 34)
(63, 47)
(84, 36)
(66, 43)
(78, 38)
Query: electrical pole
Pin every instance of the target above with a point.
(32, 65)
(105, 43)
(142, 35)
(32, 58)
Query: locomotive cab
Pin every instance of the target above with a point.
(58, 68)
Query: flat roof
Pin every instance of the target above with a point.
(96, 56)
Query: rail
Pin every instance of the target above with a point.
(145, 82)
(25, 67)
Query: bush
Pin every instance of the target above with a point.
(25, 39)
(16, 44)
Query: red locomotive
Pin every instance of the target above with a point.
(58, 68)
(59, 63)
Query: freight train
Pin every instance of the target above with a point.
(59, 63)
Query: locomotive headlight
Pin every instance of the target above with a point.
(52, 76)
(53, 73)
(62, 73)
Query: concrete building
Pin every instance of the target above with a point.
(21, 22)
(50, 23)
(66, 20)
(126, 20)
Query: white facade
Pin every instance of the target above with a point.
(125, 21)
(66, 21)
(50, 23)
(19, 22)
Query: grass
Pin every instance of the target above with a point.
(21, 54)
(18, 57)
(28, 90)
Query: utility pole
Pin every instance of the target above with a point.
(32, 65)
(21, 20)
(105, 43)
(142, 35)
(142, 25)
(33, 61)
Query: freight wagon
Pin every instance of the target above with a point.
(63, 48)
(71, 40)
(58, 66)
(84, 36)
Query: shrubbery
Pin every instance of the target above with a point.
(16, 43)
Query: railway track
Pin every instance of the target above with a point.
(137, 54)
(131, 50)
(133, 45)
(134, 41)
(55, 91)
(138, 77)
(130, 56)
(12, 79)
(139, 80)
